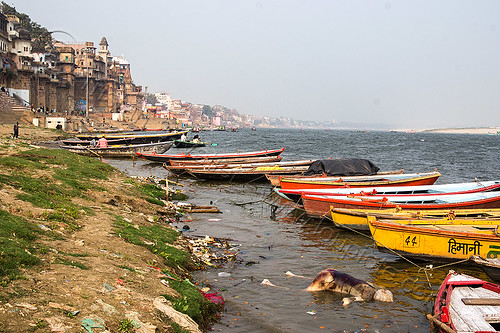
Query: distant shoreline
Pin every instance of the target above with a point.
(465, 130)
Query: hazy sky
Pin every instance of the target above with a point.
(412, 64)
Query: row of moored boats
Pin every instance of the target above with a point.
(406, 214)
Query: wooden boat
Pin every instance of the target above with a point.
(466, 304)
(357, 219)
(275, 179)
(121, 150)
(88, 142)
(434, 241)
(319, 205)
(136, 138)
(490, 265)
(237, 160)
(166, 158)
(408, 179)
(179, 167)
(245, 174)
(188, 144)
(294, 194)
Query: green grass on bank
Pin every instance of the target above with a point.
(157, 238)
(16, 246)
(51, 178)
(47, 179)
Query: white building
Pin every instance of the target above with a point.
(165, 99)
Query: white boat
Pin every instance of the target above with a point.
(455, 188)
(465, 304)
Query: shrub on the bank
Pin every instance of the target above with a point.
(154, 194)
(193, 303)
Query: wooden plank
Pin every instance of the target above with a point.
(481, 301)
(492, 318)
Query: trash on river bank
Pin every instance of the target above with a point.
(212, 251)
(89, 323)
(192, 208)
(213, 297)
(266, 282)
(180, 209)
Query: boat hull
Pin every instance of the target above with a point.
(319, 206)
(136, 138)
(188, 144)
(490, 265)
(244, 174)
(166, 158)
(120, 151)
(435, 242)
(370, 181)
(88, 142)
(465, 304)
(358, 219)
(222, 162)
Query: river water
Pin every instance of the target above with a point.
(270, 245)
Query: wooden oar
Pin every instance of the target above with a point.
(440, 324)
(93, 152)
(175, 183)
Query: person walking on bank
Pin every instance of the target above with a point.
(16, 130)
(102, 143)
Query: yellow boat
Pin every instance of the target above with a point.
(357, 219)
(437, 241)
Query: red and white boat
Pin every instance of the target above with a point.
(465, 304)
(455, 188)
(319, 205)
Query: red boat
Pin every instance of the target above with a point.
(457, 188)
(466, 304)
(319, 205)
(427, 178)
(222, 162)
(183, 156)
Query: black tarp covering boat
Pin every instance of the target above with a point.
(342, 167)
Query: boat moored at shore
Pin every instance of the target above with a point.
(222, 156)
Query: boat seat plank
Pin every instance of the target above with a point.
(481, 301)
(492, 318)
(476, 314)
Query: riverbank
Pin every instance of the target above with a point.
(464, 130)
(84, 245)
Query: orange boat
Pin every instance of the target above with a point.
(408, 179)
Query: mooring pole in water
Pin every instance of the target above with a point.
(166, 186)
(133, 160)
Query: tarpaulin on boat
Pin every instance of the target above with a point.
(343, 167)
